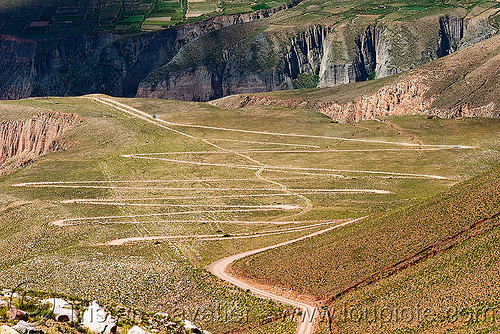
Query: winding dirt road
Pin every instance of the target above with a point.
(213, 237)
(266, 187)
(306, 322)
(141, 114)
(220, 267)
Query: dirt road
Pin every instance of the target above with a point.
(306, 322)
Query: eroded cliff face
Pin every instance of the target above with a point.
(16, 66)
(336, 57)
(320, 56)
(23, 141)
(102, 63)
(341, 64)
(407, 97)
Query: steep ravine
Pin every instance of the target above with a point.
(101, 63)
(25, 140)
(461, 85)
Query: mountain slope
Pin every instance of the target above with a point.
(134, 211)
(465, 83)
(360, 257)
(288, 45)
(438, 257)
(323, 54)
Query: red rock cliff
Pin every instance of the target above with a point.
(25, 140)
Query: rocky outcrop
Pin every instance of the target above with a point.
(95, 319)
(458, 33)
(466, 110)
(49, 67)
(62, 310)
(405, 97)
(15, 314)
(225, 55)
(263, 65)
(137, 330)
(204, 69)
(326, 53)
(478, 28)
(4, 329)
(305, 52)
(320, 56)
(338, 67)
(370, 58)
(181, 86)
(451, 31)
(16, 66)
(23, 327)
(23, 141)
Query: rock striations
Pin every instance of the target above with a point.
(16, 66)
(25, 140)
(101, 63)
(320, 56)
(405, 97)
(461, 85)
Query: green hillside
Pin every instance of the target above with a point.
(437, 256)
(123, 177)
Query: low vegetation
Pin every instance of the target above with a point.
(56, 19)
(454, 291)
(40, 313)
(340, 259)
(109, 192)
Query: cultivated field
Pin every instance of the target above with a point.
(56, 18)
(153, 191)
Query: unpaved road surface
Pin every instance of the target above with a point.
(219, 269)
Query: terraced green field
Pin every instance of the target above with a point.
(58, 18)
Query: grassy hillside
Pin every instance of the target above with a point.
(470, 77)
(363, 267)
(352, 254)
(457, 289)
(125, 177)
